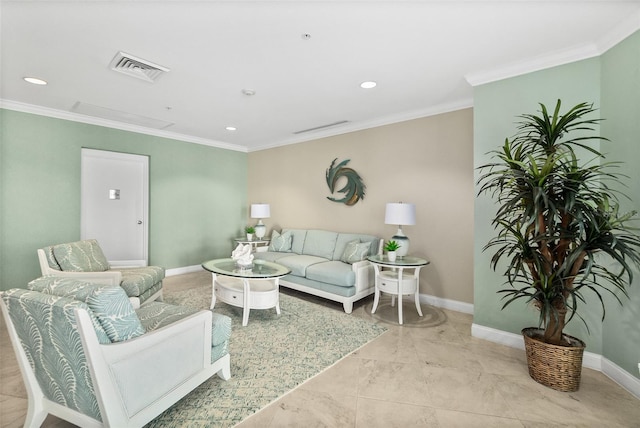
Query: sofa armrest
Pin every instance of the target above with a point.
(131, 378)
(364, 275)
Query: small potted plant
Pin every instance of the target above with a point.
(391, 247)
(250, 230)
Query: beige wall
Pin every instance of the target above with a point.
(427, 161)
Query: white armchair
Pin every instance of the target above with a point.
(73, 369)
(84, 261)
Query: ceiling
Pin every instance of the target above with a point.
(304, 60)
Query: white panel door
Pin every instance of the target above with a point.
(114, 206)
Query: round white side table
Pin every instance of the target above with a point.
(397, 282)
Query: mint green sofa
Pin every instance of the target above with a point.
(88, 357)
(331, 265)
(85, 261)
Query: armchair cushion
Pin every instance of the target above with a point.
(156, 315)
(136, 281)
(108, 303)
(81, 256)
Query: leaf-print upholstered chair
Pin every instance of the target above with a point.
(88, 357)
(85, 261)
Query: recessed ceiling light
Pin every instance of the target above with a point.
(368, 85)
(249, 92)
(231, 128)
(35, 80)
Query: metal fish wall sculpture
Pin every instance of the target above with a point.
(353, 190)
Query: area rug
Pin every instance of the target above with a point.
(269, 357)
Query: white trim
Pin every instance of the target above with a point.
(589, 359)
(75, 117)
(359, 126)
(183, 270)
(557, 58)
(621, 377)
(440, 302)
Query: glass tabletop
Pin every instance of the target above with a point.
(399, 261)
(259, 269)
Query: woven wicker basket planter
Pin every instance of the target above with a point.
(558, 367)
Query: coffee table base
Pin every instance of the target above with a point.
(246, 293)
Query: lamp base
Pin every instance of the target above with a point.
(403, 241)
(261, 229)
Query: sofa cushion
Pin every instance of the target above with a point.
(109, 304)
(280, 243)
(320, 243)
(355, 251)
(345, 238)
(297, 239)
(81, 256)
(271, 256)
(299, 263)
(332, 272)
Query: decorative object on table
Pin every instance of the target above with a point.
(260, 211)
(249, 230)
(354, 188)
(243, 256)
(556, 221)
(391, 247)
(403, 215)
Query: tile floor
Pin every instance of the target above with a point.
(428, 373)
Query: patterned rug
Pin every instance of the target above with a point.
(269, 357)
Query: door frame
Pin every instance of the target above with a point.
(119, 156)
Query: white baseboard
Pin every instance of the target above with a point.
(589, 359)
(182, 270)
(453, 305)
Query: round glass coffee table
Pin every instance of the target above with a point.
(257, 287)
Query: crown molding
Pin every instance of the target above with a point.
(90, 120)
(359, 126)
(557, 58)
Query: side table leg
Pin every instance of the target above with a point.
(376, 300)
(213, 290)
(277, 283)
(246, 302)
(418, 302)
(400, 295)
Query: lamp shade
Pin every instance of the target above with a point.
(400, 213)
(260, 211)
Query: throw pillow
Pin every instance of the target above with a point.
(81, 256)
(280, 243)
(109, 304)
(355, 251)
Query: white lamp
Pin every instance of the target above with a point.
(260, 211)
(400, 214)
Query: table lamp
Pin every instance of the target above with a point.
(403, 215)
(260, 211)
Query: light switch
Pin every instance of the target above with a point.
(114, 193)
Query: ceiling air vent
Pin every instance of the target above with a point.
(317, 128)
(136, 67)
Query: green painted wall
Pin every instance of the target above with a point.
(496, 107)
(612, 83)
(197, 201)
(621, 108)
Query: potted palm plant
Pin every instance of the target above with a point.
(558, 232)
